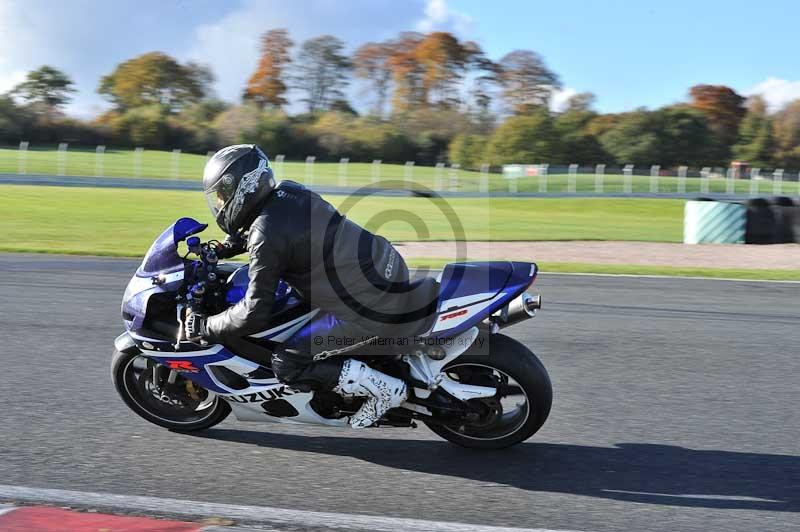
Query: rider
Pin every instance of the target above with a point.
(291, 233)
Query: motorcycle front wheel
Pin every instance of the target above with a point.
(180, 405)
(521, 405)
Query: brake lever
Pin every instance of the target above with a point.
(180, 307)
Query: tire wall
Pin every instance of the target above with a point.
(757, 221)
(714, 222)
(774, 221)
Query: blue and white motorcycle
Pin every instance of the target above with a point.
(467, 382)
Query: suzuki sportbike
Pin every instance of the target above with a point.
(467, 381)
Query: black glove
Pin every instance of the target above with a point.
(232, 246)
(195, 327)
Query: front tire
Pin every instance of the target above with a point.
(196, 409)
(506, 359)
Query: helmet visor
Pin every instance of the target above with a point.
(222, 191)
(215, 202)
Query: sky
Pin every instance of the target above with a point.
(629, 53)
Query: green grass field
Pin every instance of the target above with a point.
(162, 164)
(124, 222)
(121, 222)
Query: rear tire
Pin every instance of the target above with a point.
(130, 389)
(518, 362)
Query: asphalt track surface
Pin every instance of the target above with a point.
(675, 409)
(186, 184)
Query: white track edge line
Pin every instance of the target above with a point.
(6, 508)
(246, 514)
(673, 277)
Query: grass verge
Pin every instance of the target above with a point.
(624, 269)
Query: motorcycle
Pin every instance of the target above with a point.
(468, 382)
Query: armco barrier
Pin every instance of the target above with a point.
(758, 221)
(714, 222)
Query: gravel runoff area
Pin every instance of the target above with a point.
(778, 256)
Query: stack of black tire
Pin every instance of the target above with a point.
(772, 221)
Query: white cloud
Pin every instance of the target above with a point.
(439, 16)
(11, 79)
(88, 38)
(560, 97)
(777, 92)
(230, 44)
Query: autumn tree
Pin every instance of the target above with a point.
(46, 87)
(443, 60)
(755, 134)
(407, 73)
(267, 86)
(155, 78)
(371, 63)
(526, 81)
(787, 135)
(321, 71)
(723, 108)
(484, 74)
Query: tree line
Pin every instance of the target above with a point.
(428, 98)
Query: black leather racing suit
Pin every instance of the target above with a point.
(334, 264)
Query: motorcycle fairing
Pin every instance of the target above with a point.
(472, 291)
(247, 403)
(161, 262)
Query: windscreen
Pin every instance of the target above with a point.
(162, 257)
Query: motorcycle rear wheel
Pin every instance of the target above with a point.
(507, 421)
(173, 409)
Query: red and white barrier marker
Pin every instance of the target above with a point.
(45, 519)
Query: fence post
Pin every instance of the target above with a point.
(279, 159)
(437, 180)
(542, 171)
(730, 185)
(137, 162)
(754, 177)
(23, 157)
(513, 184)
(343, 171)
(777, 181)
(376, 170)
(572, 178)
(98, 160)
(627, 172)
(705, 174)
(62, 158)
(453, 177)
(310, 170)
(408, 174)
(798, 184)
(654, 173)
(599, 172)
(682, 171)
(484, 186)
(176, 164)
